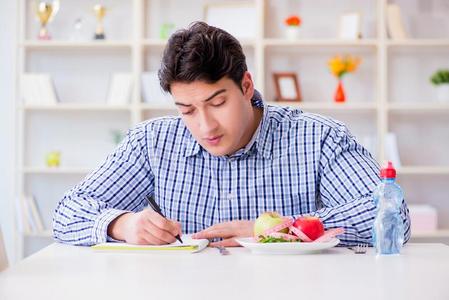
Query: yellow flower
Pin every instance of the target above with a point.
(339, 65)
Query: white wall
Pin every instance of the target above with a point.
(7, 64)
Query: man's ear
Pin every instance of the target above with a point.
(247, 85)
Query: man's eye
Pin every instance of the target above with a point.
(218, 104)
(187, 112)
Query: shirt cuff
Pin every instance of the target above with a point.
(100, 228)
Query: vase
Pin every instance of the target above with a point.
(340, 93)
(443, 93)
(292, 32)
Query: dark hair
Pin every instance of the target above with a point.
(201, 52)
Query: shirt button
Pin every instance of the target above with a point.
(230, 196)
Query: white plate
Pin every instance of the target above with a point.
(285, 248)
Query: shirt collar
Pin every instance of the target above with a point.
(261, 140)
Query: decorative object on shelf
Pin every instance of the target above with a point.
(38, 88)
(287, 87)
(392, 150)
(152, 91)
(350, 26)
(242, 24)
(120, 88)
(53, 159)
(339, 66)
(100, 12)
(117, 136)
(441, 81)
(292, 27)
(45, 12)
(166, 30)
(395, 22)
(77, 34)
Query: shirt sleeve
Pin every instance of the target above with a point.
(348, 177)
(118, 186)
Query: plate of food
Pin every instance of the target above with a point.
(274, 234)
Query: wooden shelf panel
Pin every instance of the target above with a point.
(75, 45)
(423, 170)
(319, 42)
(418, 43)
(76, 107)
(331, 106)
(418, 107)
(56, 170)
(440, 233)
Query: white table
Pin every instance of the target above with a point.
(68, 272)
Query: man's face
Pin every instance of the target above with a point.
(219, 115)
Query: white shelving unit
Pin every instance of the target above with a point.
(379, 98)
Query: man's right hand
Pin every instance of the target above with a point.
(144, 228)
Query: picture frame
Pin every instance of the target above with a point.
(349, 27)
(286, 86)
(242, 25)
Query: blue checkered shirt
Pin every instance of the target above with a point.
(296, 164)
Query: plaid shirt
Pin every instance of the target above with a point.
(296, 164)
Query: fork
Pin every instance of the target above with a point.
(223, 250)
(360, 248)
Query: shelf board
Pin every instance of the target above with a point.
(328, 106)
(43, 234)
(423, 170)
(56, 170)
(418, 43)
(76, 107)
(432, 234)
(418, 107)
(157, 106)
(69, 44)
(318, 42)
(163, 43)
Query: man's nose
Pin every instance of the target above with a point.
(207, 123)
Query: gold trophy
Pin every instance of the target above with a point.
(100, 12)
(45, 13)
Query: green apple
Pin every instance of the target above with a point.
(266, 221)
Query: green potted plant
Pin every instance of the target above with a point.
(441, 80)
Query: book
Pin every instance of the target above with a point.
(28, 222)
(38, 88)
(120, 88)
(35, 214)
(395, 22)
(189, 245)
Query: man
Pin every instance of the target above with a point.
(228, 158)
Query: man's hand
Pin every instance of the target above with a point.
(144, 228)
(227, 231)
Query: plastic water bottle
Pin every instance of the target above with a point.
(388, 228)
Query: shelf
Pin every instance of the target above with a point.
(418, 107)
(77, 45)
(419, 43)
(163, 43)
(157, 106)
(330, 106)
(440, 233)
(76, 107)
(56, 170)
(321, 43)
(43, 234)
(423, 170)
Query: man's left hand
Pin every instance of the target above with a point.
(227, 231)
